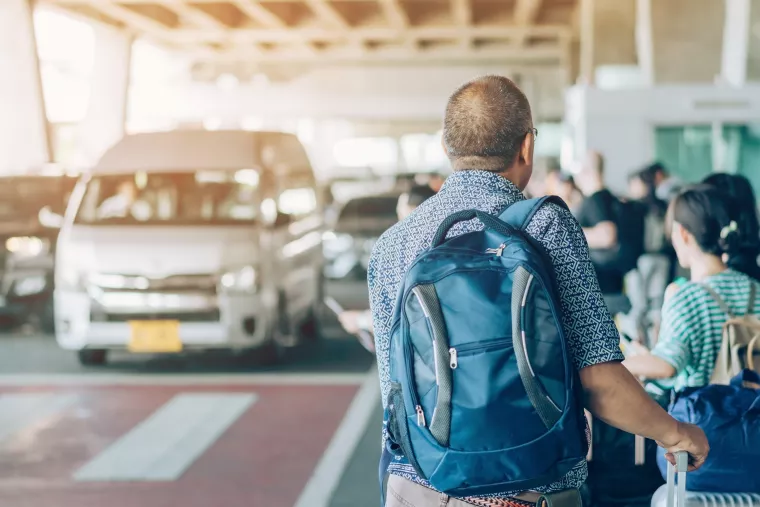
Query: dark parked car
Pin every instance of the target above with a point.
(348, 245)
(31, 209)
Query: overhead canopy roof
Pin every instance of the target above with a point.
(325, 31)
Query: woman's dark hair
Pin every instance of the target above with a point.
(646, 176)
(744, 207)
(705, 212)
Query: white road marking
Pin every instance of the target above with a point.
(20, 410)
(163, 446)
(199, 379)
(326, 476)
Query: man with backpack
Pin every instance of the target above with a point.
(491, 332)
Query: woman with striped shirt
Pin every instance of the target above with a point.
(692, 319)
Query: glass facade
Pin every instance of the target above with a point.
(689, 152)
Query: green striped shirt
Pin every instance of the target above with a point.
(692, 326)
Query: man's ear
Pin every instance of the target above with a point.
(443, 145)
(526, 150)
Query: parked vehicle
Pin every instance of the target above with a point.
(191, 240)
(31, 208)
(347, 247)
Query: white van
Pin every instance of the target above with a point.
(191, 240)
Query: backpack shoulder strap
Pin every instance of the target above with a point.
(722, 304)
(519, 214)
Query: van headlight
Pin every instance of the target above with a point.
(243, 279)
(30, 285)
(27, 246)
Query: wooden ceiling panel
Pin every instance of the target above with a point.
(277, 32)
(493, 12)
(155, 12)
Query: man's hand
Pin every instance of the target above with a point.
(350, 321)
(689, 438)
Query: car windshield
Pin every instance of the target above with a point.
(382, 207)
(172, 198)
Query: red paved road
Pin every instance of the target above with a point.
(263, 460)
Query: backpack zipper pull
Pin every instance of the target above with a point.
(420, 416)
(453, 361)
(497, 251)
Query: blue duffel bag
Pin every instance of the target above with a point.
(730, 417)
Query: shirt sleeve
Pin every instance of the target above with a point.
(589, 329)
(677, 331)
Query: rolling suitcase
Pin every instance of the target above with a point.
(675, 495)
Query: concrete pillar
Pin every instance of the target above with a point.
(736, 33)
(753, 56)
(24, 132)
(687, 38)
(105, 120)
(644, 48)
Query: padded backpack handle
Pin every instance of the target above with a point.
(490, 221)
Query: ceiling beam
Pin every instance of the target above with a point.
(396, 55)
(525, 14)
(327, 12)
(130, 18)
(254, 10)
(394, 13)
(461, 13)
(275, 36)
(195, 16)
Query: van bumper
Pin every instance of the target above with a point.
(240, 322)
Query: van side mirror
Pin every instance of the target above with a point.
(282, 220)
(50, 219)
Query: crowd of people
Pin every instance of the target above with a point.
(670, 263)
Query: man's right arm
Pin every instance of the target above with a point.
(614, 396)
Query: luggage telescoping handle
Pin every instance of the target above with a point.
(490, 221)
(682, 464)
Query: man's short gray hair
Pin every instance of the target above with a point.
(485, 124)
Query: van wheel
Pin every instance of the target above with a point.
(92, 357)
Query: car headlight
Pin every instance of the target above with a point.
(27, 246)
(244, 279)
(334, 244)
(30, 285)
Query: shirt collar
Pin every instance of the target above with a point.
(486, 180)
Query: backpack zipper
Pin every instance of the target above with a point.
(453, 359)
(420, 416)
(497, 251)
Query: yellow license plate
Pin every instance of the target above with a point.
(154, 336)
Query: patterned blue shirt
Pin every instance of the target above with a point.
(589, 328)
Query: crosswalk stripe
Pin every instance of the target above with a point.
(165, 444)
(20, 410)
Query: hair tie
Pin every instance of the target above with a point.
(731, 227)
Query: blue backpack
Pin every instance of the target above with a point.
(730, 417)
(484, 396)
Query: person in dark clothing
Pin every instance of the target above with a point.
(597, 217)
(744, 212)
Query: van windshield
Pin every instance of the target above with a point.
(171, 198)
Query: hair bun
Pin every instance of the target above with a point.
(729, 238)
